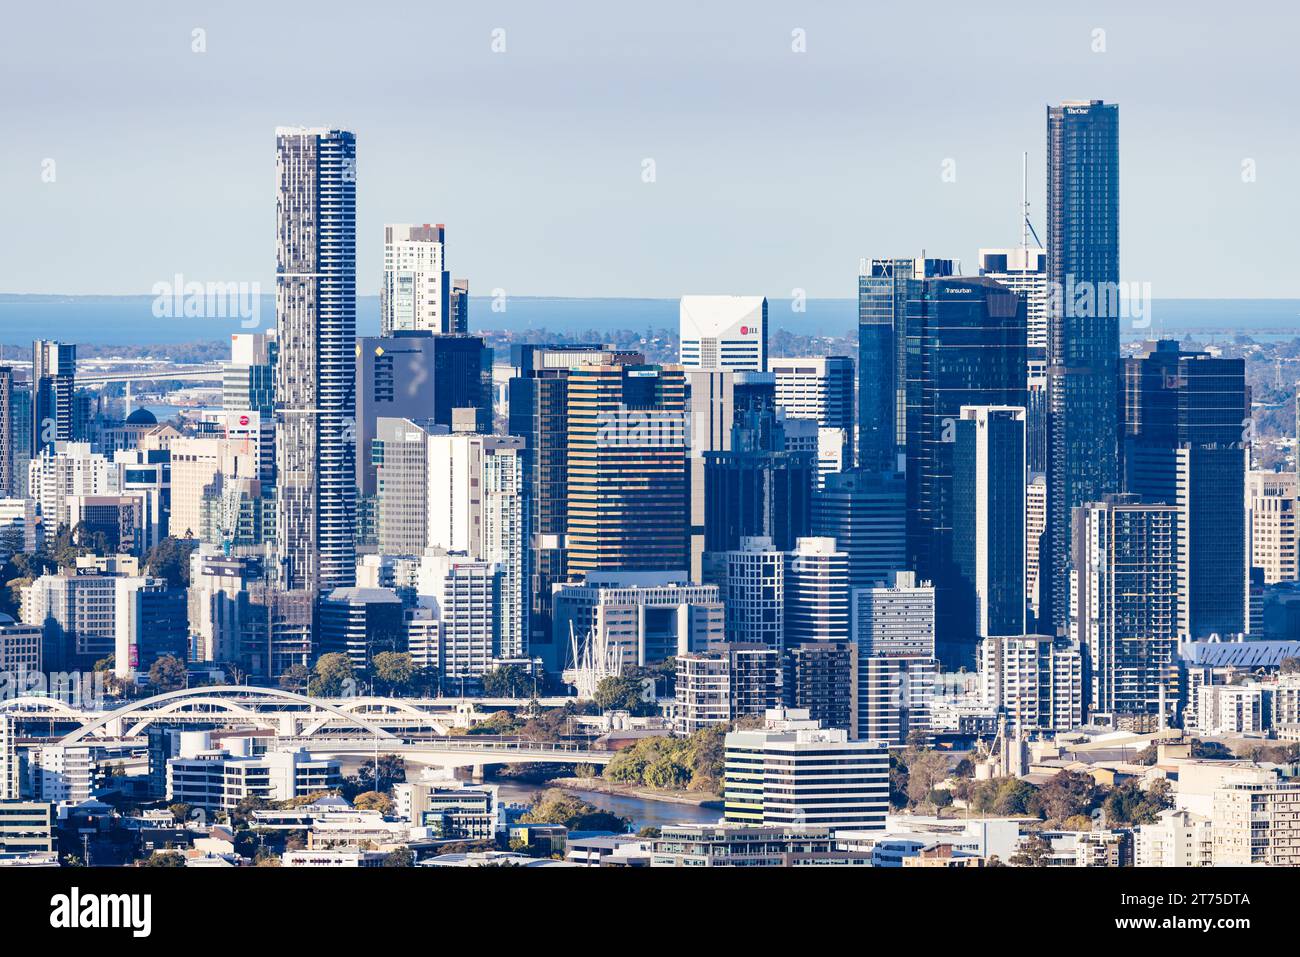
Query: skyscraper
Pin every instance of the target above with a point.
(1083, 327)
(989, 517)
(884, 287)
(816, 592)
(818, 388)
(6, 431)
(757, 487)
(416, 292)
(1125, 608)
(538, 412)
(866, 513)
(1183, 426)
(628, 501)
(724, 332)
(54, 368)
(966, 346)
(315, 301)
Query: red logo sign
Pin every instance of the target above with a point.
(243, 420)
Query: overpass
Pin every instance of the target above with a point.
(454, 752)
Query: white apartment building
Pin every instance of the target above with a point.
(724, 332)
(416, 293)
(67, 469)
(219, 778)
(1257, 823)
(1035, 680)
(464, 595)
(816, 592)
(893, 626)
(1179, 839)
(1233, 709)
(751, 583)
(793, 772)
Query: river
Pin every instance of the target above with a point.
(643, 812)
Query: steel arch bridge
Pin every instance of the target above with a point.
(282, 711)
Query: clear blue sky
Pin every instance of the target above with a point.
(775, 169)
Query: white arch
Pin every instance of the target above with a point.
(278, 695)
(381, 705)
(259, 718)
(34, 702)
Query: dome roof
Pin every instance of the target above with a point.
(142, 416)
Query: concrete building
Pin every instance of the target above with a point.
(738, 845)
(416, 291)
(729, 682)
(1272, 504)
(641, 618)
(893, 625)
(26, 827)
(217, 779)
(751, 585)
(1256, 824)
(816, 592)
(724, 332)
(818, 388)
(793, 772)
(1178, 839)
(1036, 681)
(452, 810)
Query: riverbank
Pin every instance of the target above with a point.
(699, 799)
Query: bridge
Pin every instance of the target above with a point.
(416, 728)
(175, 373)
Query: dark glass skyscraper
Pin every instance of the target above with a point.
(1083, 328)
(965, 346)
(884, 286)
(54, 369)
(1183, 417)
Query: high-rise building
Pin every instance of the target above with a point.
(1125, 605)
(1272, 509)
(54, 370)
(248, 380)
(1035, 528)
(400, 453)
(150, 621)
(966, 347)
(1184, 421)
(63, 470)
(816, 592)
(821, 677)
(724, 332)
(315, 304)
(416, 292)
(818, 388)
(884, 287)
(710, 396)
(538, 413)
(1083, 328)
(477, 507)
(751, 581)
(989, 517)
(1036, 681)
(418, 376)
(758, 486)
(464, 595)
(460, 306)
(893, 626)
(628, 501)
(792, 771)
(866, 513)
(361, 623)
(6, 431)
(727, 682)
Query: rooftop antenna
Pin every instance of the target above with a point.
(1026, 227)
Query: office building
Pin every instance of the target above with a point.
(710, 397)
(63, 470)
(1184, 416)
(416, 292)
(149, 622)
(1272, 504)
(816, 592)
(639, 618)
(361, 623)
(538, 413)
(464, 595)
(741, 845)
(966, 347)
(450, 809)
(1083, 328)
(724, 332)
(27, 828)
(866, 513)
(77, 614)
(1035, 528)
(248, 379)
(793, 772)
(893, 626)
(989, 518)
(54, 370)
(219, 779)
(628, 500)
(818, 388)
(315, 305)
(20, 529)
(20, 650)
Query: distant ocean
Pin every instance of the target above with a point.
(129, 320)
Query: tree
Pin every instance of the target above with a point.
(295, 678)
(925, 769)
(373, 801)
(392, 770)
(394, 671)
(401, 857)
(170, 560)
(1035, 851)
(554, 806)
(1068, 794)
(334, 678)
(508, 681)
(167, 674)
(1289, 665)
(163, 859)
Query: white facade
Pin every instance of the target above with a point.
(1024, 270)
(751, 582)
(67, 469)
(416, 293)
(724, 332)
(1272, 501)
(1035, 680)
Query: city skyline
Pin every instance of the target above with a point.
(744, 132)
